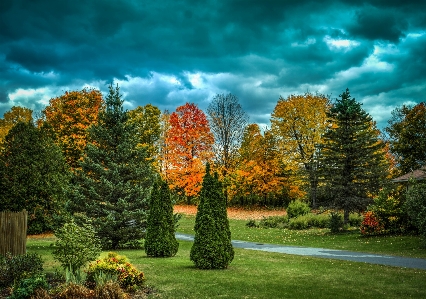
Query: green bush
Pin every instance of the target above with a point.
(298, 223)
(274, 222)
(297, 208)
(355, 219)
(26, 287)
(415, 206)
(15, 268)
(160, 240)
(76, 246)
(115, 266)
(336, 222)
(252, 223)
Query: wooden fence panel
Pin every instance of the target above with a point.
(13, 232)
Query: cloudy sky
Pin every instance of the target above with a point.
(175, 51)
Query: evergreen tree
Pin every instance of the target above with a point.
(33, 176)
(160, 240)
(353, 161)
(212, 248)
(113, 184)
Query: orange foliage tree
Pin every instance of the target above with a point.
(261, 175)
(69, 117)
(188, 145)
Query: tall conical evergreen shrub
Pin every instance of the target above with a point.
(160, 240)
(212, 248)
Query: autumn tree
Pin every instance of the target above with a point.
(352, 159)
(227, 121)
(70, 115)
(261, 173)
(112, 185)
(407, 136)
(147, 121)
(212, 247)
(10, 118)
(189, 146)
(33, 176)
(299, 121)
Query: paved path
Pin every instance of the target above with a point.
(388, 260)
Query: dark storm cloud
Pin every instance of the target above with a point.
(171, 52)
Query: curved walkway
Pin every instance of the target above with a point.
(388, 260)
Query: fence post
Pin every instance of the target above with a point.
(13, 232)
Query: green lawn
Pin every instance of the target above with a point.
(256, 274)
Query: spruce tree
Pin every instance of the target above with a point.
(212, 248)
(353, 161)
(111, 188)
(160, 240)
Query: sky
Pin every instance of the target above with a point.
(171, 52)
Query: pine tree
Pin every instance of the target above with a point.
(353, 161)
(112, 187)
(33, 176)
(160, 240)
(212, 248)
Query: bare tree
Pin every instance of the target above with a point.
(227, 122)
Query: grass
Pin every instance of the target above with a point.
(256, 274)
(409, 246)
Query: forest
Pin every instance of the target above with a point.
(86, 157)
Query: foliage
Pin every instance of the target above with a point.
(212, 248)
(10, 118)
(252, 223)
(25, 288)
(111, 190)
(127, 275)
(297, 208)
(415, 206)
(73, 291)
(227, 122)
(69, 116)
(160, 240)
(274, 222)
(18, 267)
(33, 176)
(188, 146)
(407, 136)
(147, 123)
(109, 290)
(371, 224)
(336, 222)
(352, 157)
(75, 246)
(299, 121)
(388, 207)
(260, 173)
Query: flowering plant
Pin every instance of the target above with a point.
(127, 275)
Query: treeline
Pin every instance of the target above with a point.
(85, 155)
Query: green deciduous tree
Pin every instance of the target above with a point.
(353, 162)
(10, 118)
(112, 187)
(33, 175)
(407, 135)
(212, 248)
(160, 240)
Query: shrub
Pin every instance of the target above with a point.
(297, 208)
(415, 206)
(355, 219)
(160, 240)
(74, 291)
(109, 290)
(336, 222)
(298, 223)
(274, 222)
(76, 246)
(370, 224)
(252, 223)
(127, 275)
(26, 287)
(15, 268)
(212, 247)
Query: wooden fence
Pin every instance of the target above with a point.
(13, 232)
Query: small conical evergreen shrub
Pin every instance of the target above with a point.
(212, 248)
(160, 240)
